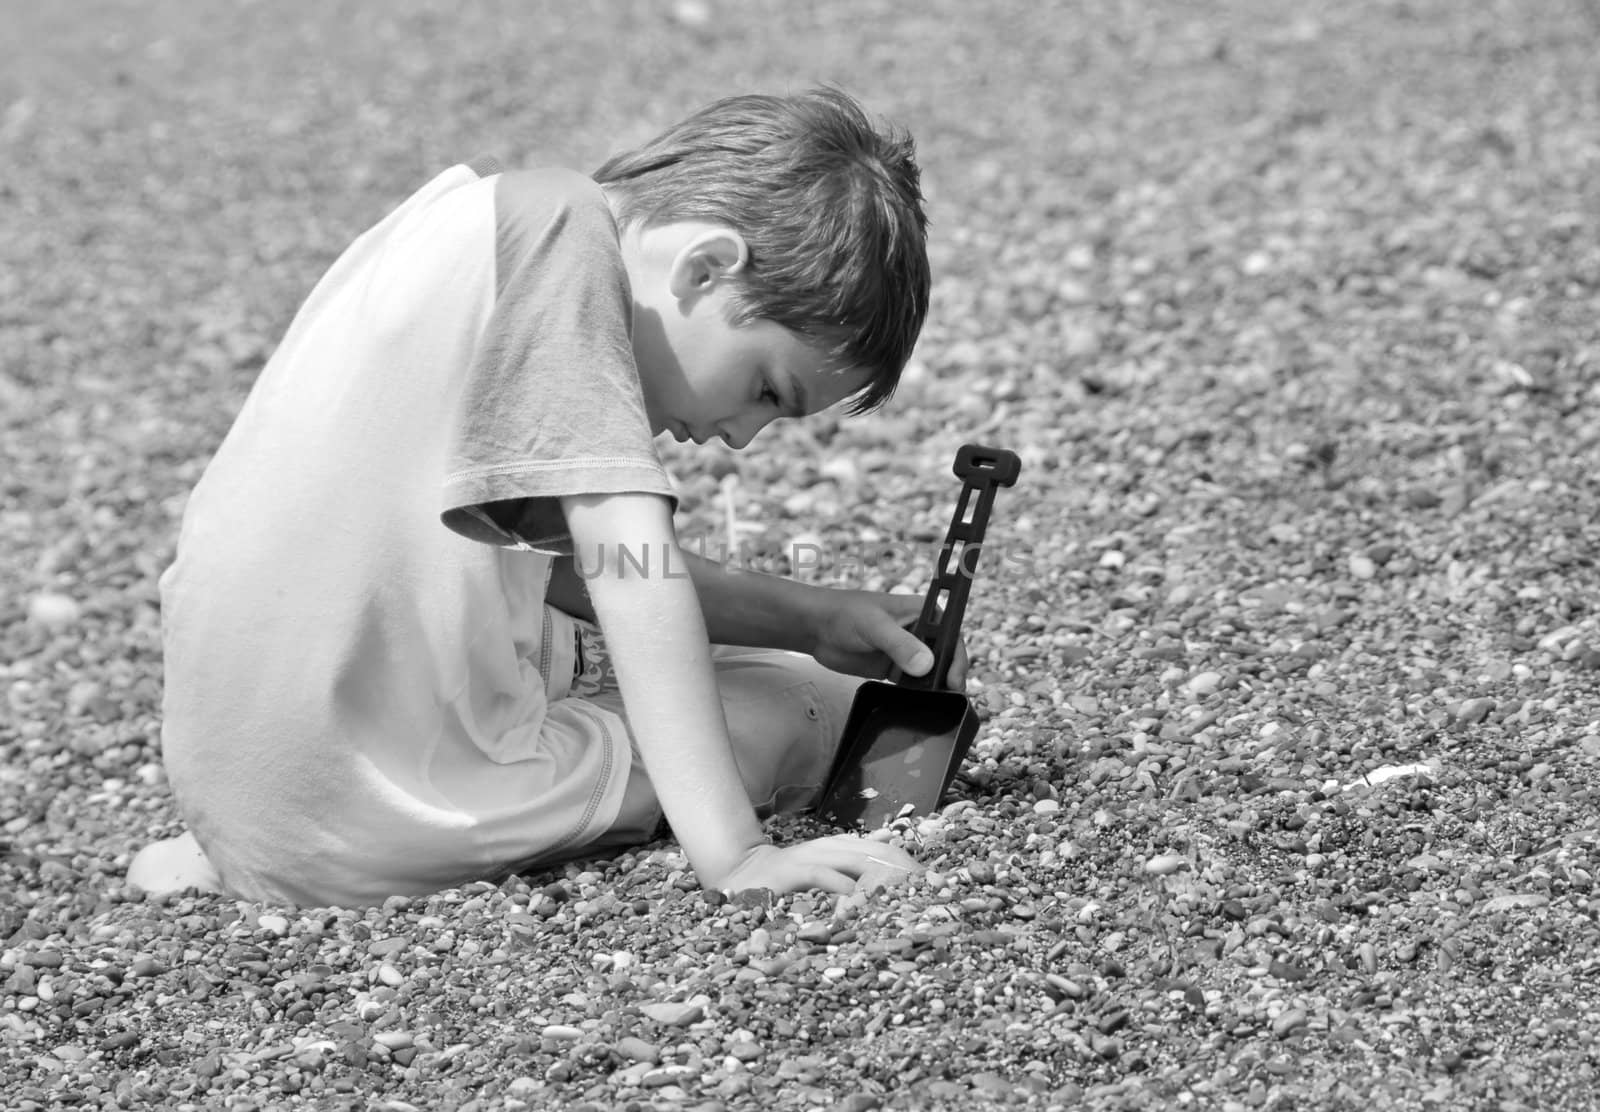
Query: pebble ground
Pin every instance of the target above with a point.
(1287, 643)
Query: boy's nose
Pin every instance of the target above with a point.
(737, 434)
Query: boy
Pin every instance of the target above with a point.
(380, 673)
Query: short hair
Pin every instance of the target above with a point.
(829, 202)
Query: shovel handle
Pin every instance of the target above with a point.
(983, 471)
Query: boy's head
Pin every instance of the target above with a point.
(829, 206)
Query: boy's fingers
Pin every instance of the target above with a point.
(910, 655)
(828, 879)
(856, 854)
(958, 669)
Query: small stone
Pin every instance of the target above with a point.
(670, 1013)
(1108, 1047)
(817, 933)
(1513, 901)
(1165, 864)
(1204, 683)
(53, 611)
(1112, 1022)
(391, 976)
(1046, 807)
(860, 1102)
(394, 1040)
(1287, 970)
(561, 1032)
(1362, 567)
(663, 1076)
(209, 1066)
(1288, 1022)
(992, 1083)
(275, 925)
(637, 1050)
(692, 13)
(1068, 988)
(745, 1050)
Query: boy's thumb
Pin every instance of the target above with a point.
(916, 659)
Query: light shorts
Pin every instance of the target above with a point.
(785, 713)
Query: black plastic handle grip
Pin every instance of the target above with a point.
(983, 471)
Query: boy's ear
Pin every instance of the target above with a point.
(707, 258)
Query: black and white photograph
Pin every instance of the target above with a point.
(645, 555)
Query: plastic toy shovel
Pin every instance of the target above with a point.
(905, 738)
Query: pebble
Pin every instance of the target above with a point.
(275, 925)
(1288, 1022)
(1165, 864)
(53, 611)
(521, 1087)
(674, 1013)
(662, 1076)
(817, 933)
(1204, 683)
(637, 1050)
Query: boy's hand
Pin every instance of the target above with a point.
(863, 633)
(833, 864)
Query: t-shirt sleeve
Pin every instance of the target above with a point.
(552, 405)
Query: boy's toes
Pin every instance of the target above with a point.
(172, 864)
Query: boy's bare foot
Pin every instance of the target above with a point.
(172, 864)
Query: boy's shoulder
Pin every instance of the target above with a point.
(557, 220)
(543, 193)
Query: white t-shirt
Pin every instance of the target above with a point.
(362, 697)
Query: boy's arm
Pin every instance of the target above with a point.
(851, 631)
(739, 607)
(659, 649)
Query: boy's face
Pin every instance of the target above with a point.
(704, 378)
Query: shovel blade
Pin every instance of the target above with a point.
(900, 748)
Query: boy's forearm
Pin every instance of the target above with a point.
(742, 608)
(661, 654)
(753, 610)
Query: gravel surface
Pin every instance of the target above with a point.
(1288, 643)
